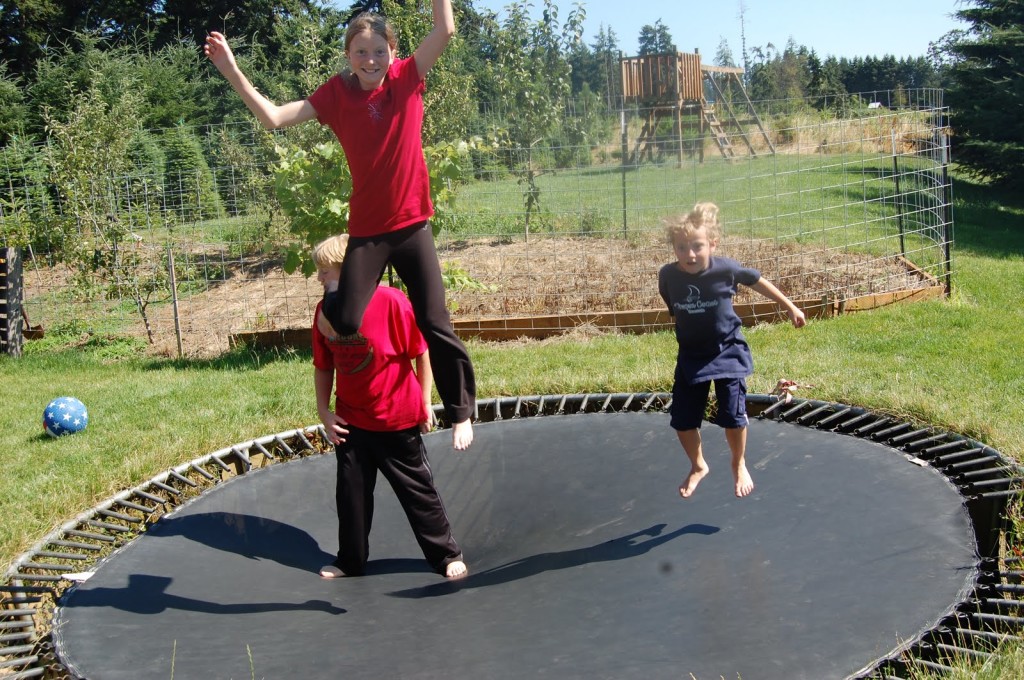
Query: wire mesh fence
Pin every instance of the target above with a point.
(843, 208)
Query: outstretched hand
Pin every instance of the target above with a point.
(219, 52)
(798, 318)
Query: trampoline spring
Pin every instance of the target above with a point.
(963, 651)
(984, 634)
(797, 406)
(771, 409)
(959, 455)
(1001, 604)
(866, 429)
(75, 544)
(647, 404)
(34, 673)
(165, 487)
(812, 414)
(202, 472)
(982, 473)
(244, 457)
(848, 424)
(948, 446)
(560, 409)
(307, 445)
(224, 466)
(626, 404)
(18, 662)
(969, 463)
(60, 555)
(15, 625)
(932, 665)
(47, 566)
(995, 482)
(838, 415)
(991, 495)
(1006, 588)
(11, 651)
(907, 436)
(497, 409)
(90, 535)
(133, 506)
(105, 525)
(270, 454)
(47, 590)
(35, 577)
(119, 515)
(605, 403)
(882, 434)
(16, 637)
(921, 443)
(284, 445)
(181, 478)
(996, 618)
(8, 613)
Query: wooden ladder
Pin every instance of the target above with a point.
(721, 138)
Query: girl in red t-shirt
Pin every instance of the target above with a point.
(375, 108)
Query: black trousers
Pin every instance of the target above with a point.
(402, 458)
(412, 253)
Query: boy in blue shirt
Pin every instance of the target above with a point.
(698, 289)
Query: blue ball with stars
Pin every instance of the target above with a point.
(64, 415)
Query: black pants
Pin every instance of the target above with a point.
(411, 251)
(402, 458)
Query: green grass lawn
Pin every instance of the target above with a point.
(957, 364)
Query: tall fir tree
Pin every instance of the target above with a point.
(986, 94)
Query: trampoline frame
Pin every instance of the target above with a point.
(985, 479)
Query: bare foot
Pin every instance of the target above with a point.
(462, 435)
(689, 484)
(456, 570)
(744, 483)
(331, 571)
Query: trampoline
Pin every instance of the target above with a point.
(857, 546)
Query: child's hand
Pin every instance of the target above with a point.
(218, 51)
(335, 426)
(325, 327)
(798, 318)
(430, 423)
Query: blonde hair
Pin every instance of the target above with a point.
(703, 216)
(330, 252)
(373, 23)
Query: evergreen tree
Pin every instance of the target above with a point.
(723, 55)
(656, 39)
(986, 95)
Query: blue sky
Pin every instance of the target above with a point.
(843, 28)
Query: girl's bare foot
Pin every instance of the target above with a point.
(744, 483)
(456, 570)
(462, 435)
(689, 484)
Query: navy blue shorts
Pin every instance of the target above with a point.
(690, 401)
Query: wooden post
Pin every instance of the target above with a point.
(10, 302)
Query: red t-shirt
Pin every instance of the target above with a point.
(381, 133)
(376, 387)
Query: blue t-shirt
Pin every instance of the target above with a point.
(711, 344)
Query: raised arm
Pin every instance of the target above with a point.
(768, 289)
(267, 112)
(433, 45)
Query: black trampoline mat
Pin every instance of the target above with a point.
(584, 562)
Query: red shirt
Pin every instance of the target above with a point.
(376, 387)
(380, 131)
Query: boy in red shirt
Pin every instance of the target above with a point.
(382, 406)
